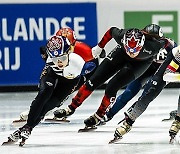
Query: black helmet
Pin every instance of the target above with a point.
(154, 30)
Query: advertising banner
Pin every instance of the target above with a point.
(26, 27)
(168, 20)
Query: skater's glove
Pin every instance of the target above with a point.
(43, 53)
(88, 68)
(96, 51)
(103, 54)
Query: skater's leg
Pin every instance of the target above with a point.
(123, 77)
(131, 90)
(62, 90)
(175, 127)
(151, 91)
(103, 73)
(126, 75)
(178, 110)
(47, 84)
(46, 88)
(112, 87)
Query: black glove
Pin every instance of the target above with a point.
(43, 52)
(103, 54)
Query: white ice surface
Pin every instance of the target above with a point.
(149, 134)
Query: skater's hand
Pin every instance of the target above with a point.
(96, 51)
(43, 53)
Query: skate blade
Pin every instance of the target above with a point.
(114, 140)
(22, 142)
(57, 120)
(19, 122)
(8, 143)
(167, 119)
(172, 140)
(87, 129)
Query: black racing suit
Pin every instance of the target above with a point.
(152, 89)
(134, 87)
(118, 65)
(53, 90)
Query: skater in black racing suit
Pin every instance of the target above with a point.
(132, 56)
(152, 89)
(60, 76)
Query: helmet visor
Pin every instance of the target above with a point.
(61, 58)
(61, 61)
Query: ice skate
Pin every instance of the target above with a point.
(61, 113)
(172, 115)
(175, 127)
(13, 138)
(18, 121)
(25, 133)
(87, 129)
(22, 120)
(57, 120)
(60, 116)
(115, 139)
(90, 123)
(120, 131)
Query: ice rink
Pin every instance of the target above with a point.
(148, 135)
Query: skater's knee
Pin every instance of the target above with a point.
(90, 85)
(127, 95)
(46, 91)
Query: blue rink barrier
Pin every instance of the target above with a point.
(26, 27)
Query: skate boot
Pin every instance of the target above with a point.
(174, 129)
(172, 115)
(104, 120)
(63, 112)
(23, 117)
(123, 129)
(25, 133)
(14, 137)
(92, 120)
(91, 123)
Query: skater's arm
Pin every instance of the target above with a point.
(172, 77)
(173, 66)
(113, 32)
